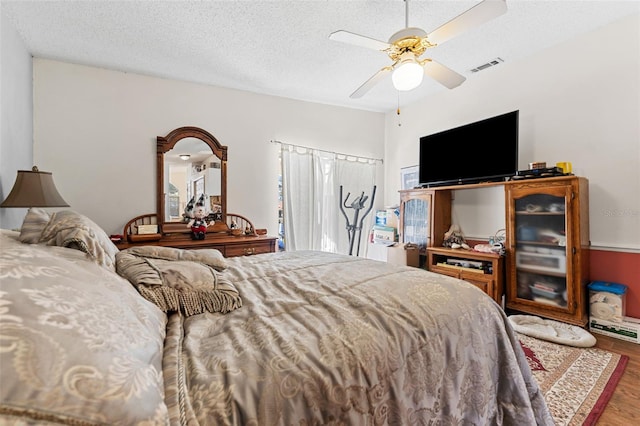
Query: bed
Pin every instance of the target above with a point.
(304, 338)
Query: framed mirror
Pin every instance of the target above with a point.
(191, 168)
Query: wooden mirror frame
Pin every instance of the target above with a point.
(165, 144)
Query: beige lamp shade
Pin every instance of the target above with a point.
(34, 189)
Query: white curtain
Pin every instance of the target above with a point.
(311, 182)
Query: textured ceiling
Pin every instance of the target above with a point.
(282, 47)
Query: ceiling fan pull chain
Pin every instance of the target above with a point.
(398, 111)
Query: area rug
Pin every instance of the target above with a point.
(577, 383)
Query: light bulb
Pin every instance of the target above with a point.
(408, 75)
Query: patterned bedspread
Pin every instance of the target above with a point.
(331, 339)
(320, 339)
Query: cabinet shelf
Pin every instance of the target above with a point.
(541, 272)
(549, 302)
(489, 279)
(521, 243)
(520, 213)
(460, 268)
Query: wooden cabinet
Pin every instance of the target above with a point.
(425, 215)
(484, 270)
(548, 248)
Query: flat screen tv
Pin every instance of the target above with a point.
(483, 151)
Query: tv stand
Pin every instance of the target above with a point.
(547, 243)
(466, 183)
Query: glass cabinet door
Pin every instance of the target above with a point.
(548, 248)
(541, 258)
(415, 228)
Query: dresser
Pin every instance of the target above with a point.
(191, 174)
(219, 236)
(229, 246)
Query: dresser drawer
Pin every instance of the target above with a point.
(485, 285)
(249, 249)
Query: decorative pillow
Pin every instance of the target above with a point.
(79, 344)
(34, 223)
(70, 229)
(179, 280)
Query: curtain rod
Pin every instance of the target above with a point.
(330, 152)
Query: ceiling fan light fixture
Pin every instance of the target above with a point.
(408, 75)
(407, 45)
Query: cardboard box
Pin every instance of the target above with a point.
(398, 254)
(147, 229)
(376, 251)
(628, 330)
(402, 254)
(384, 235)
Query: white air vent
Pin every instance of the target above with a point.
(489, 64)
(214, 165)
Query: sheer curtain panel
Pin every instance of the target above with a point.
(311, 182)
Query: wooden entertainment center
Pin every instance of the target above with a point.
(545, 269)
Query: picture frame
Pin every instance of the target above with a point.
(409, 177)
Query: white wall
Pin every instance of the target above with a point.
(96, 130)
(16, 113)
(578, 102)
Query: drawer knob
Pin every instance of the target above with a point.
(249, 251)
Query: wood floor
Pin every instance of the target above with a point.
(624, 406)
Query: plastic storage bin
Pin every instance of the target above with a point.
(607, 300)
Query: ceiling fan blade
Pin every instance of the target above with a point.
(360, 91)
(443, 75)
(359, 40)
(474, 17)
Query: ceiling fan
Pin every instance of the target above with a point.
(407, 45)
